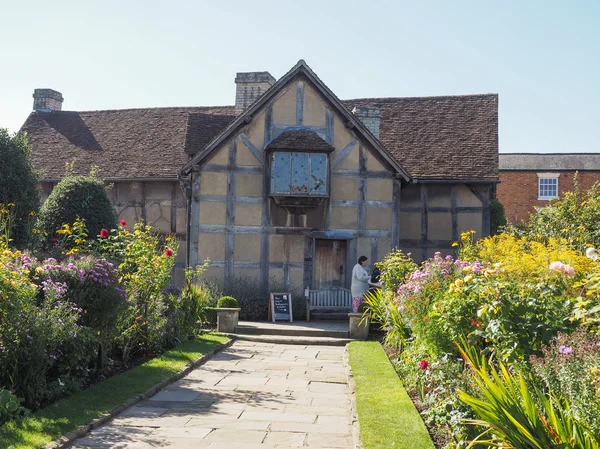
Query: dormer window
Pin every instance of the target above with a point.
(299, 174)
(299, 169)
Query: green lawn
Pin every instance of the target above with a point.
(386, 415)
(84, 406)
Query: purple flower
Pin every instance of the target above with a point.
(565, 349)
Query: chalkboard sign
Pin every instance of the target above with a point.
(281, 306)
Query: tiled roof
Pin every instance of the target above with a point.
(127, 143)
(550, 161)
(300, 140)
(453, 137)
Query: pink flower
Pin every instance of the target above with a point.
(559, 266)
(168, 252)
(424, 364)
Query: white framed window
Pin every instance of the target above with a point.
(547, 186)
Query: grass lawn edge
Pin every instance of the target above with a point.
(59, 424)
(387, 416)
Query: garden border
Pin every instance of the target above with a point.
(70, 437)
(357, 442)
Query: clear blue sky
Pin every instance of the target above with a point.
(541, 57)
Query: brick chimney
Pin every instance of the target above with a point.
(370, 117)
(47, 100)
(250, 86)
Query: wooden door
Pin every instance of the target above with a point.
(330, 264)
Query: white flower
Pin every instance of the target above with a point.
(592, 253)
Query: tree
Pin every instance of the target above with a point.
(497, 216)
(18, 183)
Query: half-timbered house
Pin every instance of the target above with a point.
(292, 183)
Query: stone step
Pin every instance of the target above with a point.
(291, 331)
(292, 340)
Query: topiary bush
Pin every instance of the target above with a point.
(78, 196)
(227, 302)
(18, 183)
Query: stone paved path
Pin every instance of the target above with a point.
(249, 396)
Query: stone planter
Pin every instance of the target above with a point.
(227, 319)
(359, 328)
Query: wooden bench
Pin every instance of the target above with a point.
(329, 300)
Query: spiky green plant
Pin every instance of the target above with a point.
(516, 413)
(386, 314)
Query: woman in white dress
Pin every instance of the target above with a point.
(360, 283)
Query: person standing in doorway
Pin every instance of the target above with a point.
(360, 283)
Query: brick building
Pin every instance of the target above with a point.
(530, 180)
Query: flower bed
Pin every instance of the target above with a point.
(78, 308)
(528, 306)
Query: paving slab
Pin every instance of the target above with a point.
(252, 395)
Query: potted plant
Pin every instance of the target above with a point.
(228, 313)
(359, 323)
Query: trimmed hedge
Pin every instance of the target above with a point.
(78, 196)
(227, 302)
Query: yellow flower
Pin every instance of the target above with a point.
(459, 282)
(32, 213)
(454, 244)
(468, 278)
(39, 270)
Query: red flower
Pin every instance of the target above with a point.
(424, 364)
(168, 252)
(104, 233)
(475, 322)
(53, 240)
(122, 222)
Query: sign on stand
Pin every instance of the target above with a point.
(280, 306)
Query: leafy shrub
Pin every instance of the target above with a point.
(10, 407)
(497, 216)
(395, 268)
(18, 183)
(75, 197)
(147, 263)
(191, 307)
(573, 218)
(227, 302)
